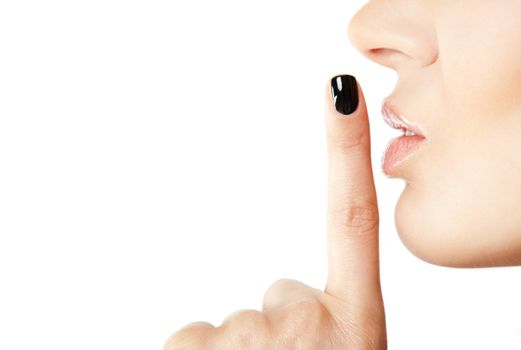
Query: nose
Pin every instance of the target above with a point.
(395, 33)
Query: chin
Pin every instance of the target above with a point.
(442, 231)
(435, 233)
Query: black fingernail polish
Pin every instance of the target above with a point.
(344, 92)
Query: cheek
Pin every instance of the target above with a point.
(480, 56)
(466, 214)
(461, 206)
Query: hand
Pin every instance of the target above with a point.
(349, 313)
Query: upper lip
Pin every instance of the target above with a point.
(395, 119)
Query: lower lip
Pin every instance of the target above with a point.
(398, 150)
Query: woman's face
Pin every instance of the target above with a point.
(459, 78)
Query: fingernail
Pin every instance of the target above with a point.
(344, 91)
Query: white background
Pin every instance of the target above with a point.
(163, 162)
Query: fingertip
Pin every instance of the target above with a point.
(346, 121)
(344, 95)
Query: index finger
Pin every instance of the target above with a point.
(352, 214)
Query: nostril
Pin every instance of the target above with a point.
(387, 57)
(383, 52)
(376, 51)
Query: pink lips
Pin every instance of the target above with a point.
(400, 148)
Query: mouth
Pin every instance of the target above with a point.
(399, 149)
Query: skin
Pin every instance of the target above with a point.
(349, 313)
(459, 78)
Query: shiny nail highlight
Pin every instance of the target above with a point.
(344, 92)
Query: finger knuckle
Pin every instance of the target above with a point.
(246, 329)
(245, 318)
(357, 218)
(281, 285)
(309, 323)
(192, 335)
(308, 312)
(287, 291)
(353, 141)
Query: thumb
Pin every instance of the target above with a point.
(352, 214)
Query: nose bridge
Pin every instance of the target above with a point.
(393, 32)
